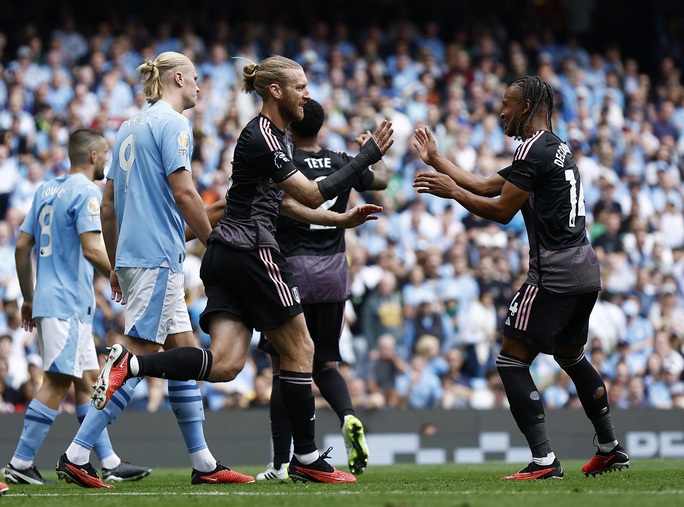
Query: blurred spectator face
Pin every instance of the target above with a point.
(613, 222)
(654, 365)
(4, 370)
(11, 309)
(597, 357)
(636, 390)
(671, 373)
(622, 374)
(218, 54)
(455, 359)
(677, 393)
(418, 363)
(616, 394)
(661, 344)
(387, 347)
(417, 275)
(5, 345)
(5, 233)
(4, 153)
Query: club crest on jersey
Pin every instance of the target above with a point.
(184, 139)
(295, 295)
(280, 159)
(93, 205)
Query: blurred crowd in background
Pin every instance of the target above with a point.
(430, 282)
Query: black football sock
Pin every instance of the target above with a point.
(280, 425)
(334, 390)
(591, 391)
(526, 405)
(181, 363)
(538, 440)
(295, 389)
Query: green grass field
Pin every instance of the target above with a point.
(645, 483)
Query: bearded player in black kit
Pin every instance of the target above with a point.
(316, 255)
(550, 312)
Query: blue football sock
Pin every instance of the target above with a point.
(186, 402)
(103, 445)
(96, 421)
(37, 422)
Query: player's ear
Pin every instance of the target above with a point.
(276, 91)
(526, 107)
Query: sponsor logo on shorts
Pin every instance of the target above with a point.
(295, 294)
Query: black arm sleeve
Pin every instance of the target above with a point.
(348, 175)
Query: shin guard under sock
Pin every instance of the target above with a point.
(96, 421)
(334, 390)
(280, 425)
(187, 406)
(103, 445)
(181, 363)
(591, 391)
(38, 420)
(525, 400)
(295, 389)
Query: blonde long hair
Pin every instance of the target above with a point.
(152, 72)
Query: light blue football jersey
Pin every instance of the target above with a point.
(148, 148)
(63, 209)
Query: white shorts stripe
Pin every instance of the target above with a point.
(525, 308)
(274, 274)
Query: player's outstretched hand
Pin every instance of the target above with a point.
(425, 144)
(382, 136)
(435, 183)
(359, 215)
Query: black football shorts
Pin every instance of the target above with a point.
(255, 285)
(539, 318)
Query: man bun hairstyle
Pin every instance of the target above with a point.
(274, 69)
(153, 71)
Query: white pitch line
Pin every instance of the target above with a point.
(342, 492)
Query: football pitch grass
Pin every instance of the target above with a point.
(645, 483)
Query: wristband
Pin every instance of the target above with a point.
(344, 178)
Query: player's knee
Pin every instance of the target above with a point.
(299, 353)
(308, 347)
(226, 369)
(320, 367)
(567, 362)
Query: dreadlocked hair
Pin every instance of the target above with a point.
(540, 95)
